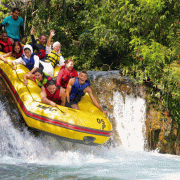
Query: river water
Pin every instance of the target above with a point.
(25, 155)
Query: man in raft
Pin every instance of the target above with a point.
(39, 46)
(5, 43)
(76, 88)
(52, 94)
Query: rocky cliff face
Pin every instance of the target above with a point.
(159, 132)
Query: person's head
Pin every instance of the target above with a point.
(15, 13)
(51, 86)
(42, 39)
(57, 47)
(28, 50)
(69, 64)
(82, 77)
(39, 74)
(17, 47)
(4, 36)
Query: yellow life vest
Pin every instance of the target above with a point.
(53, 57)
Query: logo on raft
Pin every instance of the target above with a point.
(101, 121)
(44, 107)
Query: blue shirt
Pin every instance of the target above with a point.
(12, 26)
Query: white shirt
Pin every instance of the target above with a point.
(21, 61)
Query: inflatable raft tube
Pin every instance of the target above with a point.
(87, 125)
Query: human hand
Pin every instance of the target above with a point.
(52, 33)
(5, 60)
(32, 31)
(14, 65)
(53, 104)
(25, 83)
(105, 112)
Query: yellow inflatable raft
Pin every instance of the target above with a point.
(87, 125)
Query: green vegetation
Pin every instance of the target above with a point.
(139, 37)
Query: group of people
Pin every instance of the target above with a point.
(40, 57)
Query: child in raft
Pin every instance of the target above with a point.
(66, 72)
(39, 77)
(29, 59)
(16, 52)
(54, 56)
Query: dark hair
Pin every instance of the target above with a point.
(3, 32)
(51, 82)
(42, 35)
(39, 70)
(16, 9)
(85, 72)
(16, 43)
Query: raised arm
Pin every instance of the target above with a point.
(95, 102)
(52, 34)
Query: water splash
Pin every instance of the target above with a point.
(130, 116)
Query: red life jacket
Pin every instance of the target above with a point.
(54, 97)
(41, 53)
(7, 46)
(64, 76)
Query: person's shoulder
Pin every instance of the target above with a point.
(20, 18)
(7, 18)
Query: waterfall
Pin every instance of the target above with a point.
(130, 114)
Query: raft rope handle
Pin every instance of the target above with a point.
(29, 90)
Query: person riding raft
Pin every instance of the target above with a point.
(29, 59)
(39, 77)
(54, 56)
(16, 52)
(5, 43)
(76, 89)
(52, 94)
(66, 73)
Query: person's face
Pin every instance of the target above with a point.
(4, 37)
(38, 76)
(82, 78)
(15, 14)
(52, 88)
(27, 53)
(43, 40)
(57, 48)
(17, 49)
(70, 65)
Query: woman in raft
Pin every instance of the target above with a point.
(54, 56)
(29, 59)
(39, 77)
(16, 52)
(66, 73)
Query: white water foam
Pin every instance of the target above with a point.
(130, 117)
